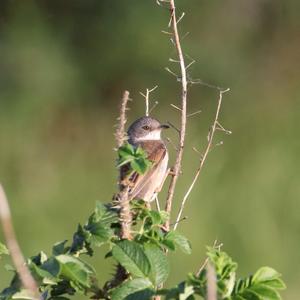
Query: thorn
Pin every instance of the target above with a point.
(176, 107)
(174, 60)
(167, 32)
(180, 18)
(194, 113)
(191, 63)
(174, 127)
(185, 35)
(172, 41)
(171, 72)
(171, 142)
(196, 150)
(182, 219)
(154, 105)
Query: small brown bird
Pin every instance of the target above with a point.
(146, 133)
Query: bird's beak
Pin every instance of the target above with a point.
(164, 126)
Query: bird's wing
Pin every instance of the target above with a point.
(156, 151)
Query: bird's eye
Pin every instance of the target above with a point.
(146, 127)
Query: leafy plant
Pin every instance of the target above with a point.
(142, 262)
(136, 157)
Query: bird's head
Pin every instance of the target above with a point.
(145, 128)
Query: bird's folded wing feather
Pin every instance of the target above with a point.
(156, 151)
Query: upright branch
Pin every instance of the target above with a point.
(147, 100)
(120, 132)
(215, 126)
(122, 197)
(177, 166)
(14, 249)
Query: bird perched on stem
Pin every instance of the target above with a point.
(145, 132)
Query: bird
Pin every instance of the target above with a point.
(145, 132)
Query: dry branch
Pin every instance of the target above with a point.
(177, 166)
(203, 157)
(14, 249)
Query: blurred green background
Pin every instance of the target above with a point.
(64, 66)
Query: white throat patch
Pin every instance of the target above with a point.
(151, 136)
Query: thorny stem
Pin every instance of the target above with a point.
(14, 249)
(202, 158)
(177, 166)
(125, 217)
(120, 132)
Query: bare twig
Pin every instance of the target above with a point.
(177, 166)
(147, 100)
(202, 157)
(120, 132)
(14, 249)
(125, 217)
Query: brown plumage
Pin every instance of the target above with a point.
(145, 186)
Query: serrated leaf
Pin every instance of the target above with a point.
(132, 257)
(75, 270)
(179, 240)
(105, 214)
(99, 234)
(130, 287)
(160, 268)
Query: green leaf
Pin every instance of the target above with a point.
(265, 274)
(45, 276)
(130, 287)
(126, 149)
(52, 266)
(105, 214)
(139, 166)
(24, 294)
(265, 292)
(59, 248)
(132, 257)
(155, 217)
(99, 234)
(160, 268)
(180, 241)
(75, 270)
(187, 293)
(276, 284)
(3, 249)
(168, 244)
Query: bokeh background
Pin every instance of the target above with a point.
(63, 68)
